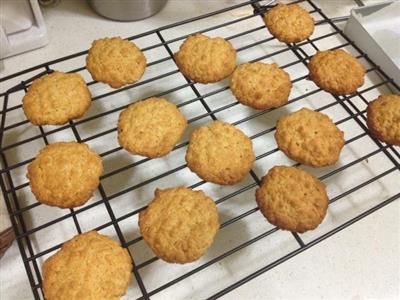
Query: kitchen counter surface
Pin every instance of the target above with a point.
(360, 262)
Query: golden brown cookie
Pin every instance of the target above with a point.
(90, 266)
(151, 127)
(336, 72)
(65, 174)
(260, 85)
(115, 61)
(309, 137)
(383, 118)
(179, 224)
(289, 23)
(292, 199)
(204, 59)
(56, 98)
(220, 153)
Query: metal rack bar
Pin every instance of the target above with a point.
(115, 224)
(15, 224)
(361, 124)
(20, 223)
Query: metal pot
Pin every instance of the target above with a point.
(127, 10)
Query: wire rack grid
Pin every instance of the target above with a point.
(365, 180)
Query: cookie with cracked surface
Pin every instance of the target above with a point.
(151, 127)
(89, 266)
(204, 59)
(336, 72)
(383, 118)
(289, 23)
(292, 199)
(115, 61)
(65, 174)
(56, 98)
(309, 137)
(179, 224)
(220, 153)
(260, 85)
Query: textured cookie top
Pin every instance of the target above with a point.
(289, 23)
(260, 85)
(115, 61)
(336, 71)
(220, 153)
(151, 127)
(204, 59)
(90, 266)
(292, 199)
(309, 137)
(383, 118)
(179, 224)
(65, 174)
(56, 98)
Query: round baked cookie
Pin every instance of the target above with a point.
(151, 127)
(89, 266)
(115, 61)
(309, 137)
(260, 85)
(179, 224)
(383, 118)
(56, 98)
(289, 23)
(220, 153)
(65, 174)
(204, 59)
(292, 199)
(336, 72)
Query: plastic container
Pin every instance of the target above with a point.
(376, 30)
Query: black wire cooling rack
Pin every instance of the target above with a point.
(129, 181)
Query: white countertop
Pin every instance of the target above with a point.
(360, 262)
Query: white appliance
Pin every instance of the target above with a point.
(21, 27)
